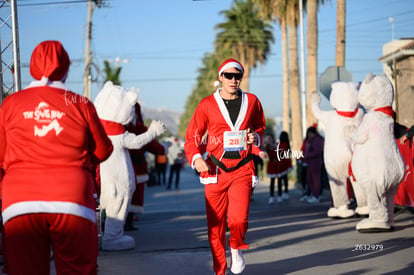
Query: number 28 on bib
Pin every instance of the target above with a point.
(235, 140)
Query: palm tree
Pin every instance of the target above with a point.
(312, 52)
(285, 82)
(340, 32)
(292, 22)
(286, 13)
(246, 35)
(112, 74)
(276, 10)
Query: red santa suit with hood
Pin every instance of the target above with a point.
(49, 140)
(139, 161)
(227, 193)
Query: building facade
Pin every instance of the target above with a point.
(398, 60)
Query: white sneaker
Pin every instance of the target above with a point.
(304, 198)
(237, 261)
(279, 199)
(285, 195)
(271, 200)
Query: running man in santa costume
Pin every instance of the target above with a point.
(235, 122)
(50, 138)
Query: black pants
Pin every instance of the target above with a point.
(281, 181)
(161, 173)
(174, 169)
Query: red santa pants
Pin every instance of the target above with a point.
(138, 196)
(30, 237)
(230, 198)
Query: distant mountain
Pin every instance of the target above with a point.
(170, 118)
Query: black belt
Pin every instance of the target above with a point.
(244, 161)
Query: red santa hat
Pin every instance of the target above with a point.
(49, 60)
(228, 63)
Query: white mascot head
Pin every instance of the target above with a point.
(376, 91)
(114, 103)
(344, 96)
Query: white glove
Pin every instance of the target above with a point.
(315, 98)
(157, 127)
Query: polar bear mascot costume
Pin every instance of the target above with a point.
(337, 149)
(377, 164)
(116, 108)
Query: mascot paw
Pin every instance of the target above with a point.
(369, 226)
(157, 127)
(315, 98)
(122, 243)
(362, 210)
(349, 130)
(341, 212)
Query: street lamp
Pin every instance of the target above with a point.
(118, 61)
(391, 20)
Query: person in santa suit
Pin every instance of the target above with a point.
(50, 139)
(140, 167)
(235, 122)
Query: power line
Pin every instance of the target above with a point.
(54, 3)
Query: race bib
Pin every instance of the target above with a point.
(235, 140)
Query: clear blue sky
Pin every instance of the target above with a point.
(165, 40)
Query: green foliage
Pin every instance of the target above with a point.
(243, 36)
(112, 74)
(203, 88)
(245, 33)
(270, 127)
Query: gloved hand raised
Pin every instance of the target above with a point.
(157, 127)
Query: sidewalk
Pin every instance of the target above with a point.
(292, 237)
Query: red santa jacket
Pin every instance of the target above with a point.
(138, 156)
(49, 140)
(211, 116)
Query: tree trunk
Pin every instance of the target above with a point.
(294, 86)
(340, 32)
(244, 85)
(285, 76)
(312, 49)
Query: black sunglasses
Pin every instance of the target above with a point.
(230, 76)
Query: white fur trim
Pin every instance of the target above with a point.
(209, 180)
(58, 207)
(136, 209)
(225, 112)
(45, 82)
(196, 156)
(259, 140)
(255, 180)
(230, 65)
(142, 178)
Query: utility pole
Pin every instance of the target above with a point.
(16, 48)
(302, 71)
(88, 57)
(340, 32)
(87, 77)
(9, 51)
